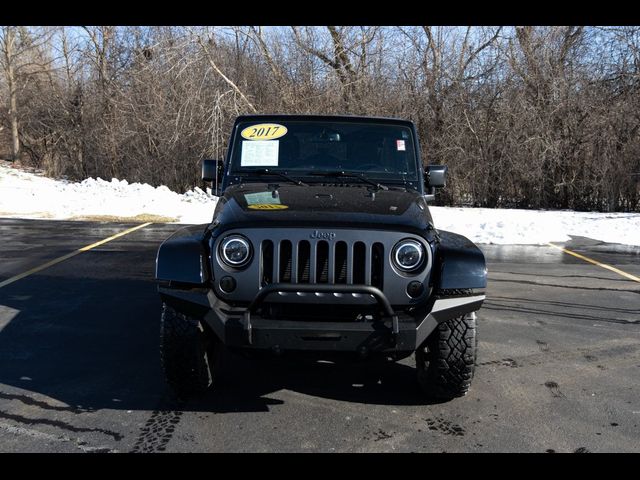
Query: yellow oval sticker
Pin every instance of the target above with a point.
(267, 206)
(264, 131)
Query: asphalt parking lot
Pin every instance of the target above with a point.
(558, 363)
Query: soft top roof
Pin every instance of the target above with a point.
(328, 118)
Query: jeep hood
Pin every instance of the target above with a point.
(262, 204)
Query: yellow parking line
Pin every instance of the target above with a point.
(600, 264)
(72, 254)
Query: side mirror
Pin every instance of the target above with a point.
(210, 170)
(435, 177)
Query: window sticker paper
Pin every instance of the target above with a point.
(259, 153)
(261, 198)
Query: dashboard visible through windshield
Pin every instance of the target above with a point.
(307, 149)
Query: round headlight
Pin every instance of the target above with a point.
(235, 251)
(408, 255)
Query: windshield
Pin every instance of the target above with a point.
(307, 148)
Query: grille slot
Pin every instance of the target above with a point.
(322, 265)
(377, 257)
(304, 261)
(341, 263)
(266, 266)
(320, 261)
(285, 261)
(359, 253)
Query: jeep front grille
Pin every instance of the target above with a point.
(339, 256)
(322, 261)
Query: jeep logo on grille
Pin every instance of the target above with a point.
(322, 235)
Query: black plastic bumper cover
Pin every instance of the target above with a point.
(240, 327)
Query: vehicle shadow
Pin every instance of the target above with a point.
(88, 340)
(252, 381)
(83, 340)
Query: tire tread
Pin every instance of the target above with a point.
(183, 353)
(446, 368)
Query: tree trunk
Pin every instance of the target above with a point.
(9, 39)
(13, 115)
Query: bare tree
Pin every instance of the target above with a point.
(533, 117)
(20, 57)
(210, 58)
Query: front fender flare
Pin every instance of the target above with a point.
(459, 263)
(183, 257)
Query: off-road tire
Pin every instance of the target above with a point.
(445, 362)
(189, 354)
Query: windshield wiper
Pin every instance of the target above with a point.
(350, 175)
(266, 171)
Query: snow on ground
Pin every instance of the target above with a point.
(26, 195)
(513, 227)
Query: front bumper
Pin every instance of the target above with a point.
(396, 332)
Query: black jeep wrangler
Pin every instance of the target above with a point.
(321, 242)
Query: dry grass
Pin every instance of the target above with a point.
(141, 218)
(27, 215)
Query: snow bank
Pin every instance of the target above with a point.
(513, 227)
(26, 195)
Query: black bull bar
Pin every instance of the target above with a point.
(315, 288)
